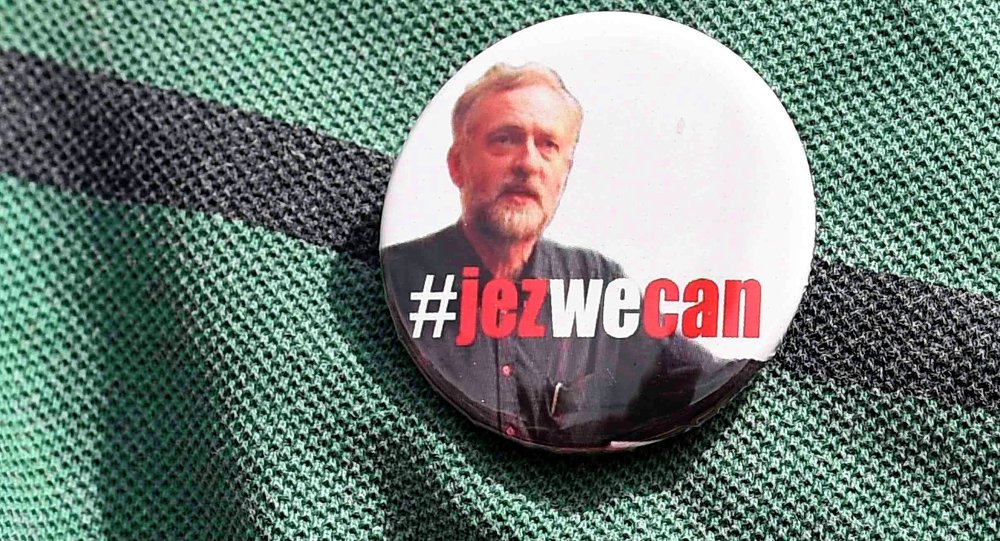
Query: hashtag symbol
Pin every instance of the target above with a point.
(442, 297)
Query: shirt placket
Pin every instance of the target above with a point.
(509, 418)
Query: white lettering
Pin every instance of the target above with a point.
(573, 307)
(621, 308)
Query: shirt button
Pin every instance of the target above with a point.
(510, 431)
(506, 370)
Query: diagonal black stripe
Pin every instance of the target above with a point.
(127, 141)
(897, 334)
(130, 142)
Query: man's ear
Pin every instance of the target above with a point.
(569, 168)
(454, 165)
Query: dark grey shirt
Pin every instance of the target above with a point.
(564, 392)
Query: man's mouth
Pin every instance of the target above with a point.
(520, 196)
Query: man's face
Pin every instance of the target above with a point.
(511, 167)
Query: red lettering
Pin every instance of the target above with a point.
(707, 292)
(731, 313)
(499, 302)
(499, 315)
(467, 308)
(536, 289)
(658, 326)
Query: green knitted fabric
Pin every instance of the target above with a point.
(194, 342)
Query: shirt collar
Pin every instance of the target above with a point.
(539, 264)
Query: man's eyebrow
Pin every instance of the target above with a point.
(507, 127)
(553, 134)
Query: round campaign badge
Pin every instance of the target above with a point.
(597, 232)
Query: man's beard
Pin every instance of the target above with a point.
(508, 221)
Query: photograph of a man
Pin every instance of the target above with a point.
(514, 133)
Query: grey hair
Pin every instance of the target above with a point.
(503, 77)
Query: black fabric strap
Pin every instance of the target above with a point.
(125, 141)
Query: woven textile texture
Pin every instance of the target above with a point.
(194, 342)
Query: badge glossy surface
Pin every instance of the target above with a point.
(597, 231)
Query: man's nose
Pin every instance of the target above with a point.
(529, 161)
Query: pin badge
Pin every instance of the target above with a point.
(597, 232)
